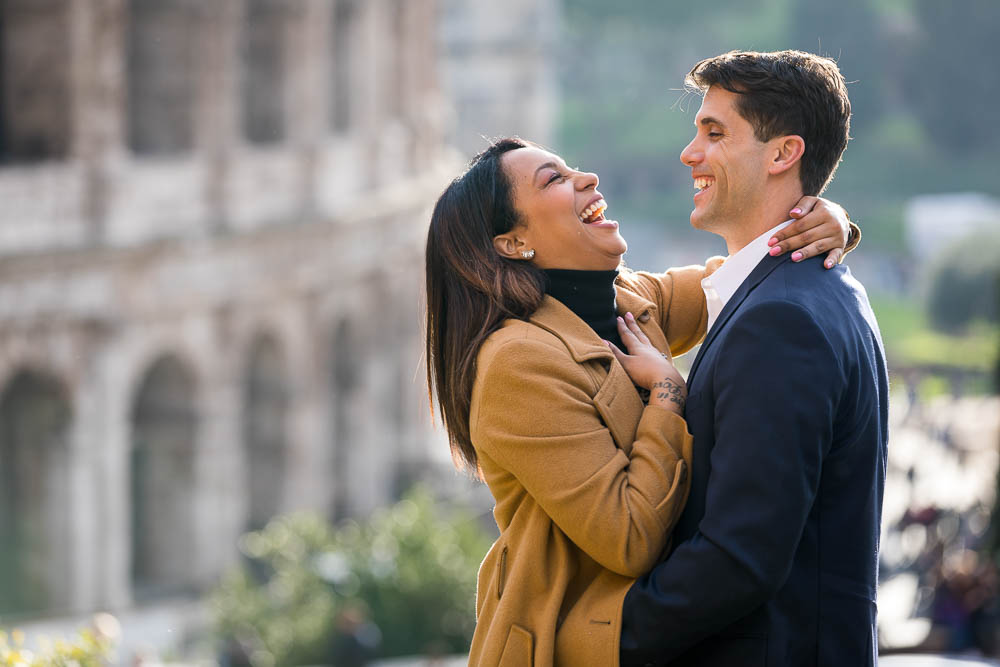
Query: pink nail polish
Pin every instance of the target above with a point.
(796, 211)
(829, 264)
(773, 240)
(629, 316)
(796, 256)
(776, 250)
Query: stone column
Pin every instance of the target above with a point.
(98, 30)
(217, 99)
(89, 434)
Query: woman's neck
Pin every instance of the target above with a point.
(590, 295)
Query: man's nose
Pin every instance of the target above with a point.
(691, 155)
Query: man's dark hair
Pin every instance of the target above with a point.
(782, 93)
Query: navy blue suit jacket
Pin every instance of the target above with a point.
(777, 550)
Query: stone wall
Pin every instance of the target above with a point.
(195, 294)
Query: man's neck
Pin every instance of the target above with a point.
(769, 215)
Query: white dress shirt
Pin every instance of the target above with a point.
(722, 285)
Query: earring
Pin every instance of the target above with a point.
(527, 254)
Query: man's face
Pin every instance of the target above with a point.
(728, 164)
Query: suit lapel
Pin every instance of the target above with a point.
(756, 277)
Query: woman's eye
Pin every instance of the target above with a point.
(555, 177)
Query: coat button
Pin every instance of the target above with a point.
(643, 318)
(684, 472)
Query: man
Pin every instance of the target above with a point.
(777, 550)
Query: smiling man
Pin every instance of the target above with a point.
(777, 550)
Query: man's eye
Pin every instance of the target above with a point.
(715, 134)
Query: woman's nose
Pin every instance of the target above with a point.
(587, 179)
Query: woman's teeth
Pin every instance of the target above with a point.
(702, 183)
(593, 212)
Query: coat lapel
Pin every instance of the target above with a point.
(616, 399)
(756, 277)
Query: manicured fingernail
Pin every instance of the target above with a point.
(796, 211)
(629, 316)
(796, 256)
(776, 250)
(829, 263)
(773, 240)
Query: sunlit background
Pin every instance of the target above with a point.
(214, 434)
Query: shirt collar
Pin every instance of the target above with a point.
(737, 268)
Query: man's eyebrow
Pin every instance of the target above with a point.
(709, 120)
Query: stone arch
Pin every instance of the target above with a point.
(35, 544)
(263, 84)
(343, 56)
(164, 428)
(265, 410)
(34, 80)
(161, 43)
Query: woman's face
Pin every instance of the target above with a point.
(562, 215)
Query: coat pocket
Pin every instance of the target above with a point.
(519, 649)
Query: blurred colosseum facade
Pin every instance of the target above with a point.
(212, 218)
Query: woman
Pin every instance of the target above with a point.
(589, 475)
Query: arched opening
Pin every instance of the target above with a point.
(34, 80)
(264, 71)
(265, 406)
(162, 51)
(343, 50)
(164, 424)
(34, 495)
(346, 369)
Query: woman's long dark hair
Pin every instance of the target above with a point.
(471, 289)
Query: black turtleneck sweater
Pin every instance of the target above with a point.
(589, 294)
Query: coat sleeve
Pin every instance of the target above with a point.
(680, 301)
(776, 402)
(534, 416)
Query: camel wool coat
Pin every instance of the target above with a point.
(588, 481)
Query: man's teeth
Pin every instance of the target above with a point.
(702, 183)
(594, 210)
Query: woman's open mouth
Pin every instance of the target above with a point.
(594, 213)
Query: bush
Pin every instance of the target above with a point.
(306, 587)
(87, 649)
(965, 284)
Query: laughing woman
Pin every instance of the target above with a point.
(526, 305)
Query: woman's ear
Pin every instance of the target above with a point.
(788, 150)
(509, 245)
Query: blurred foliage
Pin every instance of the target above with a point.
(409, 571)
(910, 341)
(87, 649)
(921, 77)
(965, 284)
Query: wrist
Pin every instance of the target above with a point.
(668, 393)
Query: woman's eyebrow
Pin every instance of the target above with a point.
(547, 165)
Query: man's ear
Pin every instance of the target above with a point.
(787, 151)
(509, 245)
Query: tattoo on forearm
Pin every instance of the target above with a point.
(669, 390)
